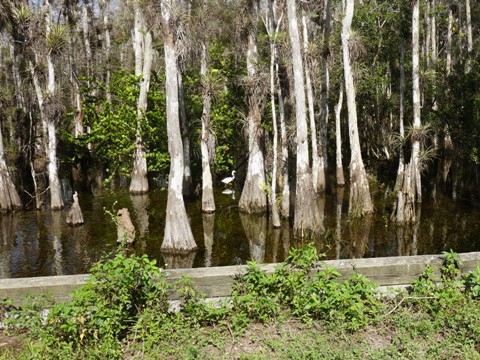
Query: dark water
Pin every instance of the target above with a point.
(40, 243)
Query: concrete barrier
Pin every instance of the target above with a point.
(217, 281)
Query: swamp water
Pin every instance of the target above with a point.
(40, 243)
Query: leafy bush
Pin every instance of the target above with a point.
(296, 286)
(471, 281)
(108, 305)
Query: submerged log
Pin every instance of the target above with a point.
(125, 228)
(74, 215)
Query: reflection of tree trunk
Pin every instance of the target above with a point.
(407, 235)
(208, 234)
(80, 239)
(179, 261)
(140, 205)
(8, 230)
(321, 213)
(56, 231)
(286, 239)
(256, 231)
(276, 241)
(338, 221)
(360, 231)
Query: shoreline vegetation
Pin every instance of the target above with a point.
(123, 312)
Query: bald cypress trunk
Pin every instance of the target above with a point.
(187, 171)
(360, 201)
(178, 234)
(324, 112)
(208, 201)
(317, 178)
(144, 56)
(254, 197)
(9, 199)
(273, 28)
(338, 140)
(306, 218)
(49, 114)
(409, 191)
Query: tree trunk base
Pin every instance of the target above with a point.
(254, 198)
(178, 233)
(360, 201)
(74, 215)
(307, 221)
(9, 199)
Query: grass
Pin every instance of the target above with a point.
(288, 315)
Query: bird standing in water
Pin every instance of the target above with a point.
(229, 179)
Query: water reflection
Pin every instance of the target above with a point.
(359, 231)
(39, 243)
(179, 260)
(256, 231)
(140, 205)
(8, 229)
(57, 242)
(338, 221)
(208, 235)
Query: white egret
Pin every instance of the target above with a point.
(229, 179)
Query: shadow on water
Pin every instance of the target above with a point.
(41, 243)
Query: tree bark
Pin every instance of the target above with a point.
(86, 38)
(139, 182)
(416, 96)
(178, 234)
(273, 28)
(74, 215)
(469, 35)
(9, 199)
(317, 178)
(306, 219)
(254, 198)
(208, 200)
(338, 140)
(108, 47)
(324, 93)
(448, 63)
(56, 201)
(360, 201)
(187, 172)
(401, 161)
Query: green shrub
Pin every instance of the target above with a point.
(471, 281)
(108, 305)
